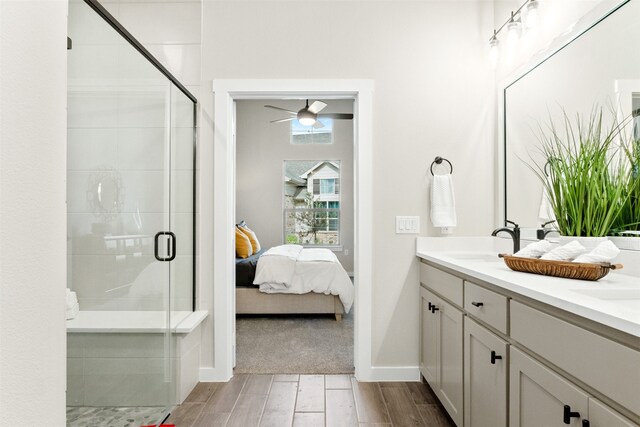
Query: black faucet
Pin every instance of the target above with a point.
(514, 232)
(542, 232)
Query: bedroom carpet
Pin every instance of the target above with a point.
(295, 344)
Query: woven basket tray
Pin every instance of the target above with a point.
(568, 270)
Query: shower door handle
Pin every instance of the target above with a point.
(172, 254)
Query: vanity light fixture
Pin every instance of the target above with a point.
(530, 17)
(527, 14)
(494, 50)
(513, 30)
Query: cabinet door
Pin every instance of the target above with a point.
(450, 379)
(601, 415)
(485, 377)
(429, 326)
(538, 396)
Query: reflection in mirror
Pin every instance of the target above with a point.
(105, 194)
(601, 67)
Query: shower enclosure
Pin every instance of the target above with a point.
(130, 224)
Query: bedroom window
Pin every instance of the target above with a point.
(312, 202)
(301, 134)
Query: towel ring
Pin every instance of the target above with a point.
(438, 160)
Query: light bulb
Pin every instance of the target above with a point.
(513, 31)
(494, 50)
(530, 18)
(306, 117)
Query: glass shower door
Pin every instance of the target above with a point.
(119, 179)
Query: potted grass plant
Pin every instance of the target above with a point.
(626, 229)
(586, 179)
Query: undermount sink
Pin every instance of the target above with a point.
(626, 297)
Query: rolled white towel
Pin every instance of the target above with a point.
(72, 299)
(604, 252)
(568, 252)
(73, 311)
(535, 250)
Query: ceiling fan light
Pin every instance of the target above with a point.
(306, 118)
(307, 121)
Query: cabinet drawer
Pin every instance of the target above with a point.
(486, 305)
(445, 284)
(611, 368)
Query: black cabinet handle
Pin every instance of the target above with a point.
(494, 357)
(429, 306)
(477, 304)
(567, 414)
(586, 423)
(434, 309)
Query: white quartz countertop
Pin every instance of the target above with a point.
(613, 301)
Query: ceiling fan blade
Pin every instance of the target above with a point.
(316, 107)
(344, 116)
(281, 109)
(283, 120)
(318, 125)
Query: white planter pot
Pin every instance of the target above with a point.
(587, 242)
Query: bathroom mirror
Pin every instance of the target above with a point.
(597, 67)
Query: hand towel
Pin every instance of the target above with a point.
(545, 213)
(535, 250)
(604, 252)
(567, 252)
(443, 203)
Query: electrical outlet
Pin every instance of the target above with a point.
(346, 252)
(446, 230)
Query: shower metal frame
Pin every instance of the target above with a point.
(113, 22)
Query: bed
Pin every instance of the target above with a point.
(290, 279)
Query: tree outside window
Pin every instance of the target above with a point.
(312, 202)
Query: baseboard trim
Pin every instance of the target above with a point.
(394, 373)
(212, 375)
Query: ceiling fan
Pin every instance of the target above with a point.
(309, 114)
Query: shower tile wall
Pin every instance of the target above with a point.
(118, 131)
(171, 31)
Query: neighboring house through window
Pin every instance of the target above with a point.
(312, 202)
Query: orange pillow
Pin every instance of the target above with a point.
(255, 244)
(243, 245)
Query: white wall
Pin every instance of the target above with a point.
(261, 148)
(433, 96)
(33, 85)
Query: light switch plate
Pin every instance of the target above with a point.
(407, 225)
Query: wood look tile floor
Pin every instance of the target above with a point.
(250, 400)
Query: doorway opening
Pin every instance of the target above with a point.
(226, 93)
(294, 197)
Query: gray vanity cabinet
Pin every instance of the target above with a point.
(540, 397)
(441, 351)
(486, 363)
(601, 415)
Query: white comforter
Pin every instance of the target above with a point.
(294, 270)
